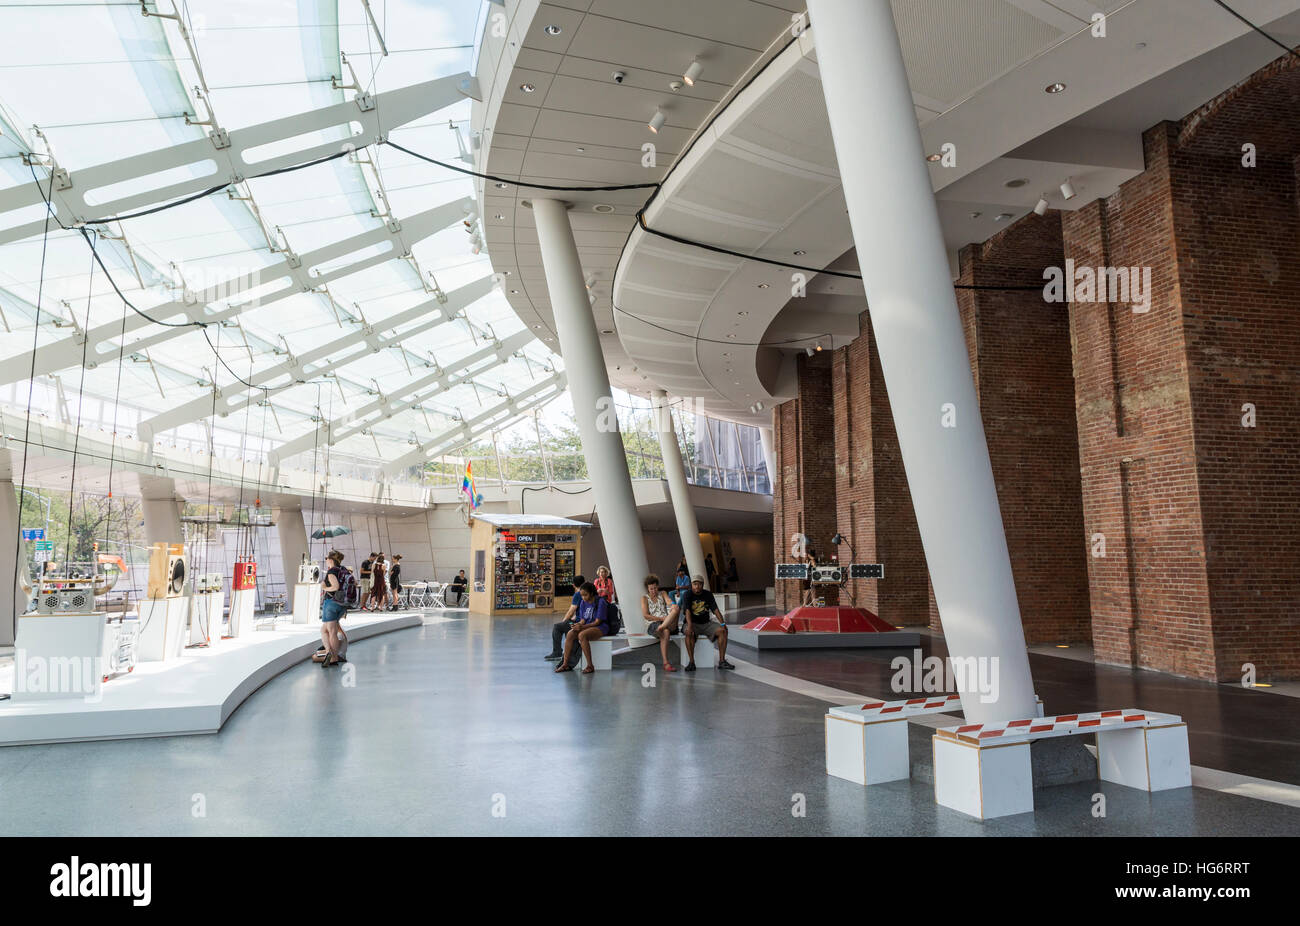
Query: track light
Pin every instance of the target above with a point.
(1067, 189)
(808, 351)
(657, 121)
(692, 72)
(1041, 207)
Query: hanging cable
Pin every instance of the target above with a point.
(81, 402)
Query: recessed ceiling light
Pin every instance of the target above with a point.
(976, 215)
(1015, 184)
(527, 88)
(553, 30)
(934, 157)
(602, 208)
(498, 216)
(1000, 217)
(742, 314)
(501, 186)
(579, 148)
(505, 272)
(1055, 88)
(800, 253)
(514, 292)
(606, 330)
(762, 286)
(732, 336)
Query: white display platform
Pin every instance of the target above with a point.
(243, 605)
(196, 693)
(163, 624)
(206, 618)
(61, 657)
(306, 602)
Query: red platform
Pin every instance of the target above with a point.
(840, 619)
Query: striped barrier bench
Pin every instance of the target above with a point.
(865, 743)
(984, 769)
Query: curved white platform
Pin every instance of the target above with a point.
(193, 694)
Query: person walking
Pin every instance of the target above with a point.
(395, 581)
(332, 610)
(379, 591)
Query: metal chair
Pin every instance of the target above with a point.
(437, 595)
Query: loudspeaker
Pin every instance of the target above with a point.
(308, 573)
(543, 601)
(75, 600)
(176, 568)
(546, 584)
(245, 576)
(167, 568)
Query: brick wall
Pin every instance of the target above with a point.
(1020, 353)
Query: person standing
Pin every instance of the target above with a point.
(367, 582)
(733, 576)
(711, 571)
(332, 610)
(605, 584)
(378, 573)
(395, 580)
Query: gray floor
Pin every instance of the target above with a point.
(448, 722)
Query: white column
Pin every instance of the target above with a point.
(13, 604)
(162, 510)
(593, 406)
(922, 347)
(293, 544)
(769, 456)
(678, 488)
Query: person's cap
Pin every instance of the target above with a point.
(697, 578)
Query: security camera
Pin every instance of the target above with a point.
(619, 76)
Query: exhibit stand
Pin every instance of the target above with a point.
(163, 624)
(206, 617)
(59, 656)
(242, 608)
(523, 563)
(306, 602)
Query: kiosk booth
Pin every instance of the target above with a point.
(521, 563)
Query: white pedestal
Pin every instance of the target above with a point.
(1150, 758)
(706, 654)
(206, 618)
(306, 602)
(162, 628)
(59, 657)
(868, 753)
(242, 608)
(985, 783)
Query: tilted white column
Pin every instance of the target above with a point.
(679, 490)
(593, 406)
(11, 605)
(922, 347)
(769, 456)
(162, 510)
(293, 544)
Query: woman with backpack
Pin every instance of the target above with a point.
(332, 608)
(593, 622)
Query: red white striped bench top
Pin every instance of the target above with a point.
(1024, 731)
(878, 711)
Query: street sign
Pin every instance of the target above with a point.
(33, 533)
(45, 546)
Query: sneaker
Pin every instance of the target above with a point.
(690, 667)
(553, 656)
(723, 664)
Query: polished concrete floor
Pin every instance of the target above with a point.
(460, 727)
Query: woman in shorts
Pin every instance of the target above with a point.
(660, 616)
(331, 609)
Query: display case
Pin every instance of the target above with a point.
(523, 563)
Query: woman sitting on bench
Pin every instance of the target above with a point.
(592, 623)
(660, 616)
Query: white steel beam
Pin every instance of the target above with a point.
(230, 151)
(403, 397)
(195, 306)
(357, 344)
(498, 416)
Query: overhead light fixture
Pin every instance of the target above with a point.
(606, 330)
(657, 121)
(1054, 88)
(692, 72)
(800, 253)
(742, 313)
(1067, 189)
(934, 157)
(500, 185)
(498, 216)
(514, 292)
(602, 208)
(1002, 217)
(762, 286)
(759, 406)
(1016, 184)
(808, 351)
(527, 88)
(1040, 207)
(553, 30)
(976, 215)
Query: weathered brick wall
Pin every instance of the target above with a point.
(1021, 361)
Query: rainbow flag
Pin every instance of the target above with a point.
(467, 486)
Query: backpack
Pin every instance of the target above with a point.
(613, 617)
(348, 593)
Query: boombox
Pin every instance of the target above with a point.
(827, 575)
(546, 584)
(63, 600)
(245, 576)
(207, 582)
(167, 569)
(308, 574)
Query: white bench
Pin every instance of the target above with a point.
(605, 649)
(984, 769)
(867, 743)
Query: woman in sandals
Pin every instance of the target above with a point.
(592, 623)
(331, 609)
(660, 616)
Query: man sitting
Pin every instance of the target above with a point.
(570, 617)
(698, 604)
(458, 586)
